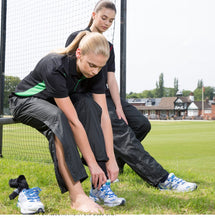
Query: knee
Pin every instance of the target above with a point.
(143, 129)
(147, 125)
(88, 106)
(144, 125)
(59, 116)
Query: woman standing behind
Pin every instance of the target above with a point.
(129, 126)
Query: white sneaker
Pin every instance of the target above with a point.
(106, 195)
(176, 184)
(29, 201)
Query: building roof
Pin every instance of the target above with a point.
(167, 103)
(184, 99)
(199, 105)
(137, 100)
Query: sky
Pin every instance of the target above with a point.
(173, 37)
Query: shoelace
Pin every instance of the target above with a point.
(175, 180)
(33, 194)
(108, 192)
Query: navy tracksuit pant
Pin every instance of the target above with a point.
(127, 143)
(48, 119)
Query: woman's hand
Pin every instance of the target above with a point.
(121, 114)
(97, 176)
(112, 169)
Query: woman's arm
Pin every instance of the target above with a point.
(114, 91)
(81, 139)
(112, 167)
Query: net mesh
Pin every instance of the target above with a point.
(22, 142)
(34, 28)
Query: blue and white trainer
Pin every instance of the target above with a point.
(29, 201)
(176, 184)
(106, 195)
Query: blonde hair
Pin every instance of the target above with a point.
(102, 4)
(88, 42)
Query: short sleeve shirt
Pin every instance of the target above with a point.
(110, 65)
(55, 76)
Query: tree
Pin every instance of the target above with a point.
(133, 95)
(209, 92)
(147, 94)
(169, 92)
(160, 86)
(175, 86)
(10, 84)
(200, 84)
(161, 91)
(186, 92)
(198, 94)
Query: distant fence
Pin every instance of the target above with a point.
(22, 142)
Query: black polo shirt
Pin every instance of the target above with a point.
(55, 76)
(110, 65)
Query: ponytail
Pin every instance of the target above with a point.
(88, 42)
(72, 47)
(91, 22)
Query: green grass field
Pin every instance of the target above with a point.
(186, 148)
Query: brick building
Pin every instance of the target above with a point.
(179, 107)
